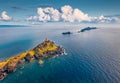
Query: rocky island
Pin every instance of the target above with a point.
(65, 33)
(44, 50)
(87, 29)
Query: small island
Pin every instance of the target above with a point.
(87, 29)
(44, 50)
(65, 33)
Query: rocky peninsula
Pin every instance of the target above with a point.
(44, 50)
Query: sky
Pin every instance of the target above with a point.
(40, 11)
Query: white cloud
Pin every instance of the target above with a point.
(34, 18)
(71, 15)
(53, 13)
(48, 14)
(68, 14)
(42, 16)
(80, 16)
(4, 16)
(103, 19)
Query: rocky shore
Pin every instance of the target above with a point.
(44, 50)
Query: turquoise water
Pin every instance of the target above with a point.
(93, 56)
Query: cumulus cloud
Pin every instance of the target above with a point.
(68, 14)
(46, 14)
(4, 16)
(71, 15)
(80, 16)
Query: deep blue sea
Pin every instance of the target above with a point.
(92, 56)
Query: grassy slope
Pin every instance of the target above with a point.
(15, 59)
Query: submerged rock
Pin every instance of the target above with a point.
(3, 75)
(41, 61)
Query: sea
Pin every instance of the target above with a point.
(92, 56)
